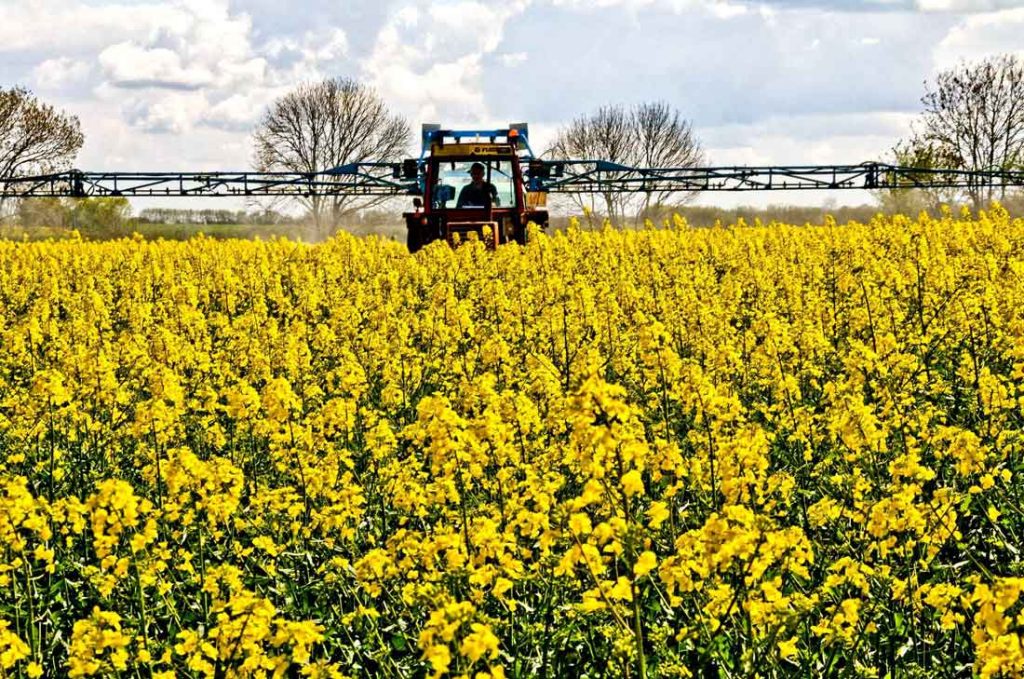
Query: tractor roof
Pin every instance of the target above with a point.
(513, 138)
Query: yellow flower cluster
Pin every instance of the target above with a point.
(752, 450)
(98, 645)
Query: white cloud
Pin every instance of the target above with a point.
(966, 6)
(806, 139)
(172, 112)
(42, 25)
(60, 73)
(722, 9)
(213, 50)
(981, 35)
(323, 45)
(238, 112)
(512, 59)
(142, 58)
(127, 64)
(205, 46)
(726, 10)
(428, 63)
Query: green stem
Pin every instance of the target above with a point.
(30, 593)
(142, 603)
(638, 633)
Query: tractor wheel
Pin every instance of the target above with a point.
(519, 235)
(414, 239)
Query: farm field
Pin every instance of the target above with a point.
(754, 450)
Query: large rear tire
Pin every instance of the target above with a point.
(414, 237)
(519, 234)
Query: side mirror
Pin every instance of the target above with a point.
(410, 168)
(417, 203)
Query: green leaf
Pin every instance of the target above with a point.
(398, 642)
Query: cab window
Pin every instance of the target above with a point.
(453, 176)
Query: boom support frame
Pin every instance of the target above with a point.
(569, 176)
(364, 179)
(584, 176)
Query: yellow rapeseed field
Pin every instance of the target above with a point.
(752, 450)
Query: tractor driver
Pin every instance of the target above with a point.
(477, 192)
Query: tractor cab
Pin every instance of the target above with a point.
(472, 187)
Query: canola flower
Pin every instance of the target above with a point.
(754, 450)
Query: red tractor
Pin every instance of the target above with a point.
(472, 187)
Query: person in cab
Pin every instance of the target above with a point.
(478, 193)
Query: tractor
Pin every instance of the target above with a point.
(448, 208)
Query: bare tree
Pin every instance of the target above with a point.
(974, 117)
(35, 138)
(319, 126)
(646, 135)
(665, 139)
(606, 134)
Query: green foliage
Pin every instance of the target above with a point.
(92, 217)
(921, 153)
(101, 217)
(42, 212)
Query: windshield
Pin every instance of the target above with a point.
(455, 187)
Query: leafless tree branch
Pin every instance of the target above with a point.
(646, 135)
(974, 118)
(325, 124)
(35, 138)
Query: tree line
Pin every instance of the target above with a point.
(109, 217)
(260, 217)
(972, 118)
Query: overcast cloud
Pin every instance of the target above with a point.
(178, 84)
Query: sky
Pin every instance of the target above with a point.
(179, 84)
